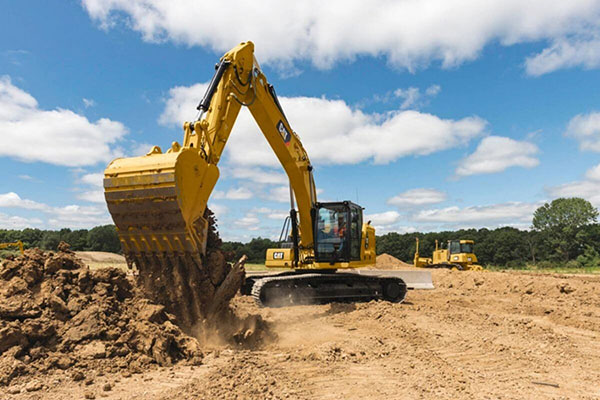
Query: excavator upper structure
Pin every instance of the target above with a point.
(158, 201)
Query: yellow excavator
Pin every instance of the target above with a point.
(157, 201)
(18, 244)
(457, 255)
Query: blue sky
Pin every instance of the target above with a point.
(433, 115)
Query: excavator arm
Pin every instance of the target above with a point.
(240, 81)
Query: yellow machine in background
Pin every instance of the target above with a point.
(158, 201)
(18, 244)
(457, 255)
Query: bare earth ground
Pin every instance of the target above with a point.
(478, 335)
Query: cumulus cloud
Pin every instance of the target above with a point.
(414, 98)
(333, 132)
(495, 154)
(16, 222)
(384, 218)
(260, 176)
(13, 200)
(250, 222)
(585, 128)
(240, 193)
(510, 213)
(94, 191)
(417, 197)
(566, 53)
(70, 216)
(89, 103)
(588, 188)
(59, 137)
(410, 34)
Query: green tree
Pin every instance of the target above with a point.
(103, 238)
(562, 223)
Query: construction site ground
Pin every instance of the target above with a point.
(478, 335)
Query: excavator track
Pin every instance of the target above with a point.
(321, 288)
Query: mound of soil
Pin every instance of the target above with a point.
(386, 261)
(100, 257)
(56, 313)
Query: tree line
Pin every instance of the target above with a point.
(563, 232)
(100, 238)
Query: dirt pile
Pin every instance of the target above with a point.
(57, 314)
(386, 261)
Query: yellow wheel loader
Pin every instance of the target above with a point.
(157, 201)
(18, 244)
(457, 255)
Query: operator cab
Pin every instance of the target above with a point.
(337, 231)
(460, 246)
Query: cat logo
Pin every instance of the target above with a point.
(285, 134)
(278, 255)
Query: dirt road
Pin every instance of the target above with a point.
(478, 335)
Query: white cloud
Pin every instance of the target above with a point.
(16, 222)
(26, 177)
(417, 197)
(586, 129)
(240, 193)
(413, 98)
(141, 149)
(279, 215)
(59, 137)
(260, 175)
(495, 154)
(71, 216)
(88, 103)
(94, 192)
(76, 216)
(334, 133)
(491, 215)
(13, 200)
(410, 34)
(249, 221)
(218, 209)
(384, 218)
(280, 194)
(588, 188)
(566, 53)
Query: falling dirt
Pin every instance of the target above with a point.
(196, 290)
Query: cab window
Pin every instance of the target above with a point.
(467, 247)
(331, 233)
(454, 247)
(355, 232)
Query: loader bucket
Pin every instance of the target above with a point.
(157, 202)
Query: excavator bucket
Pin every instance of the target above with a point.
(157, 202)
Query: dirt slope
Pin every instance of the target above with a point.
(478, 335)
(100, 257)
